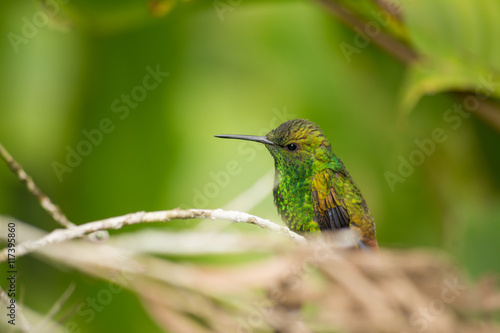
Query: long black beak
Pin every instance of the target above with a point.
(261, 139)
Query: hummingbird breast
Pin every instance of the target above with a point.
(293, 199)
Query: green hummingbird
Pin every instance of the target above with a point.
(312, 189)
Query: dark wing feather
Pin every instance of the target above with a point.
(330, 212)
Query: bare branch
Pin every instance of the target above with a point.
(62, 235)
(44, 200)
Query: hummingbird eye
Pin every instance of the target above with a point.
(291, 146)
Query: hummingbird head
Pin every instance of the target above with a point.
(298, 146)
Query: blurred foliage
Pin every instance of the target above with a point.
(461, 54)
(244, 67)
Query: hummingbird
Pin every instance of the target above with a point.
(313, 190)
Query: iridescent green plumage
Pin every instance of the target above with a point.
(313, 190)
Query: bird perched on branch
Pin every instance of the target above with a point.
(312, 189)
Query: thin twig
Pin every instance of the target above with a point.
(44, 200)
(62, 235)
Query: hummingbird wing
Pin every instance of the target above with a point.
(338, 203)
(330, 211)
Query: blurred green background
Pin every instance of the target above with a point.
(243, 68)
